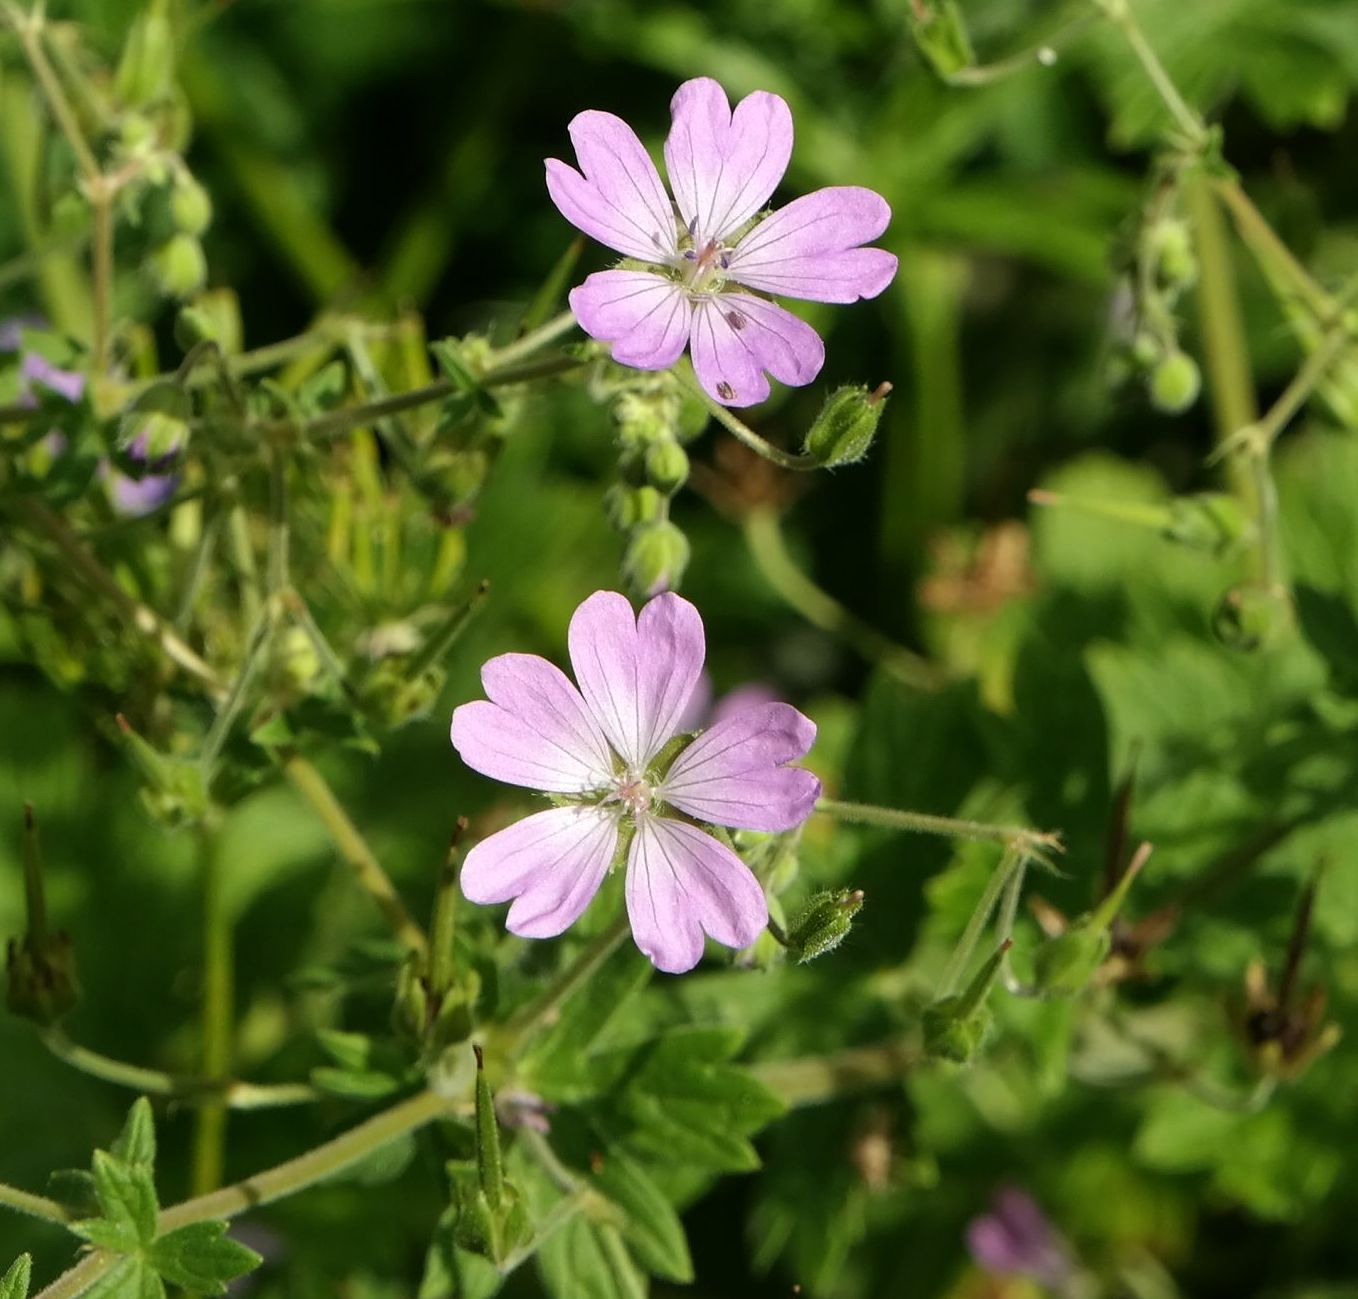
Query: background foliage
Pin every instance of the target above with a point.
(385, 157)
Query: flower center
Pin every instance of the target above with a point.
(633, 793)
(706, 266)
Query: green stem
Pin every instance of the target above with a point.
(538, 1014)
(354, 849)
(534, 340)
(1010, 864)
(243, 555)
(1223, 329)
(230, 707)
(814, 1080)
(218, 1016)
(764, 539)
(35, 1206)
(744, 433)
(442, 959)
(1119, 13)
(187, 1089)
(1043, 53)
(29, 30)
(891, 818)
(1270, 251)
(274, 1184)
(442, 640)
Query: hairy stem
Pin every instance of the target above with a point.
(1010, 866)
(744, 433)
(217, 1017)
(354, 849)
(764, 539)
(184, 1088)
(35, 1206)
(534, 340)
(891, 818)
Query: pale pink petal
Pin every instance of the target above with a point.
(737, 337)
(637, 674)
(551, 864)
(534, 730)
(733, 774)
(722, 165)
(645, 316)
(809, 249)
(619, 199)
(748, 695)
(682, 883)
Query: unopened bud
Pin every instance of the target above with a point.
(190, 206)
(192, 326)
(630, 507)
(955, 1027)
(824, 923)
(1175, 383)
(1213, 521)
(146, 68)
(175, 792)
(644, 418)
(1249, 618)
(156, 425)
(1170, 246)
(846, 425)
(941, 35)
(656, 557)
(666, 466)
(1146, 350)
(178, 266)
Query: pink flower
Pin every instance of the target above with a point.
(723, 166)
(603, 750)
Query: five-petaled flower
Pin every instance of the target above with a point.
(705, 251)
(604, 752)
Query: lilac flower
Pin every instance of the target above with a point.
(134, 497)
(723, 166)
(704, 710)
(1016, 1238)
(604, 751)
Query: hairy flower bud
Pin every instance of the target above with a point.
(666, 466)
(1170, 247)
(1175, 383)
(193, 326)
(846, 425)
(190, 206)
(656, 557)
(824, 923)
(631, 507)
(146, 68)
(955, 1026)
(178, 266)
(941, 35)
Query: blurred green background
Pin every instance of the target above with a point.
(389, 155)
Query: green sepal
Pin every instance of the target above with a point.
(201, 1258)
(824, 923)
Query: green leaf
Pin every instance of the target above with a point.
(131, 1278)
(652, 1226)
(127, 1195)
(588, 1260)
(1328, 622)
(14, 1284)
(202, 1257)
(136, 1143)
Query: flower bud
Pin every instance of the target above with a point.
(666, 466)
(178, 266)
(1175, 383)
(1064, 965)
(1170, 246)
(941, 35)
(846, 425)
(190, 206)
(175, 793)
(1249, 618)
(296, 658)
(193, 326)
(955, 1027)
(156, 425)
(146, 68)
(824, 923)
(1146, 350)
(631, 507)
(1213, 521)
(656, 557)
(644, 418)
